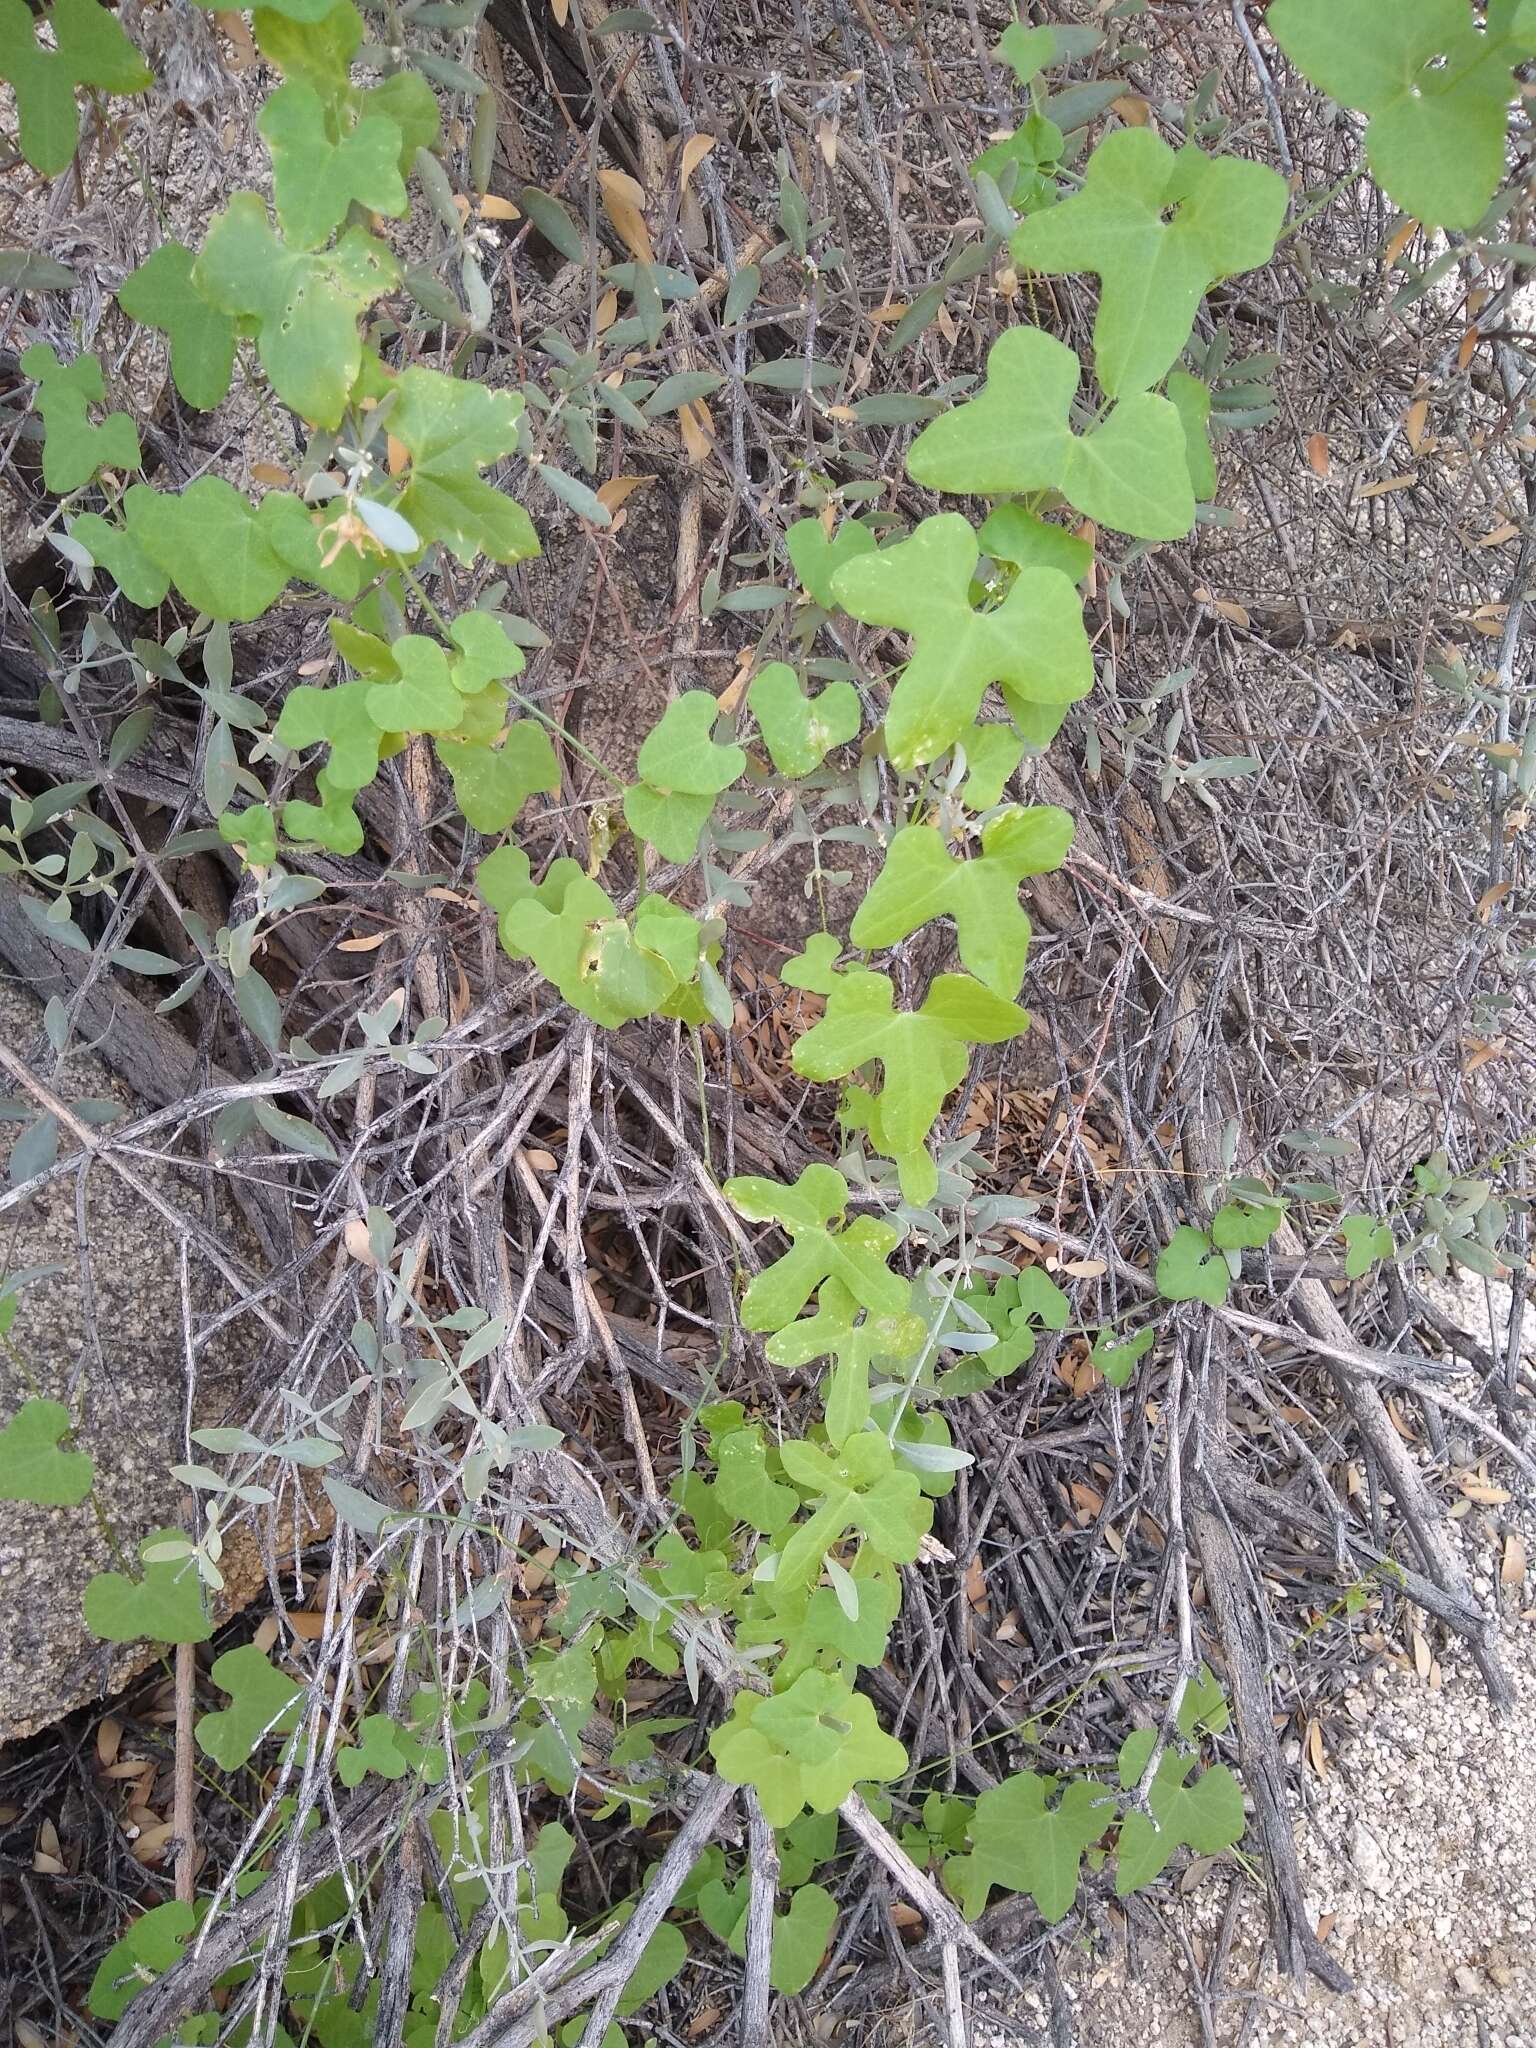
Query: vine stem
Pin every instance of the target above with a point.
(184, 1809)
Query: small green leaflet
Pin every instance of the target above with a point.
(805, 1747)
(1369, 1241)
(305, 306)
(1021, 1842)
(799, 730)
(1188, 1270)
(1204, 1705)
(816, 557)
(861, 1487)
(1116, 1359)
(610, 968)
(430, 688)
(90, 49)
(992, 752)
(339, 717)
(1204, 1816)
(856, 1255)
(1033, 151)
(1435, 86)
(682, 770)
(924, 1053)
(1034, 642)
(857, 1641)
(491, 782)
(319, 49)
(814, 968)
(1191, 400)
(1130, 472)
(744, 1487)
(152, 1944)
(505, 878)
(921, 880)
(452, 429)
(262, 1702)
(123, 555)
(800, 1935)
(164, 1606)
(836, 1332)
(1011, 534)
(1240, 1225)
(1026, 51)
(389, 1751)
(1224, 217)
(74, 449)
(161, 294)
(32, 1466)
(211, 542)
(1015, 1309)
(315, 179)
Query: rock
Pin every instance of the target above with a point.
(110, 1348)
(1370, 1859)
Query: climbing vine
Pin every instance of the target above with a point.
(779, 1566)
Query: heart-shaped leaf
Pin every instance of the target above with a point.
(607, 967)
(798, 730)
(1188, 1270)
(305, 305)
(1245, 1226)
(161, 294)
(423, 698)
(165, 1605)
(32, 1466)
(1158, 227)
(921, 880)
(1369, 1241)
(338, 715)
(679, 753)
(389, 1751)
(1034, 642)
(492, 783)
(816, 556)
(1016, 1308)
(262, 1702)
(1435, 85)
(1016, 435)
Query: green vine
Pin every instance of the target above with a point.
(783, 1553)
